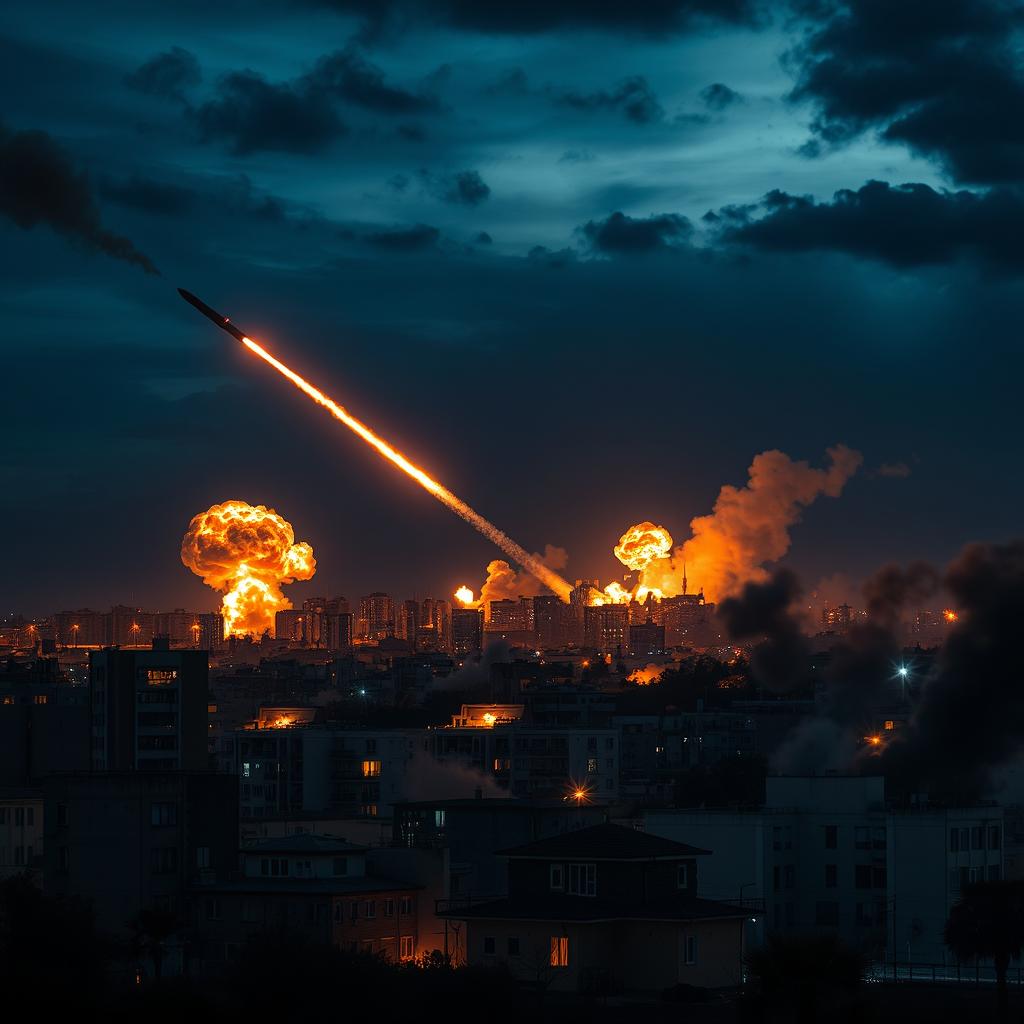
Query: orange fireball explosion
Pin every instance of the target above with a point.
(642, 544)
(248, 551)
(534, 566)
(464, 596)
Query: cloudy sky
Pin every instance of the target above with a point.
(583, 260)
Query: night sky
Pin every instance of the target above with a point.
(582, 260)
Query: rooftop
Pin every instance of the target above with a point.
(592, 911)
(605, 842)
(303, 842)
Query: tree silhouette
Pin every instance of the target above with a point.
(988, 921)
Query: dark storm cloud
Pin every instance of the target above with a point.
(411, 239)
(253, 114)
(765, 612)
(464, 188)
(215, 195)
(906, 225)
(633, 97)
(167, 74)
(350, 77)
(621, 234)
(148, 195)
(39, 185)
(530, 16)
(942, 77)
(970, 718)
(718, 96)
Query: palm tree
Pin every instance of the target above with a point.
(988, 921)
(798, 973)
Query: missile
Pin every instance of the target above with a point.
(211, 314)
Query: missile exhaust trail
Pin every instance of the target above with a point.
(520, 555)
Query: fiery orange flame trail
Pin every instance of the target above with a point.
(528, 562)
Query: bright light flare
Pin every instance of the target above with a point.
(464, 596)
(950, 615)
(532, 565)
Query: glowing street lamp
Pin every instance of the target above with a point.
(74, 629)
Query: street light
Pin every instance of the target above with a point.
(74, 629)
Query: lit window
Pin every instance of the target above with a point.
(371, 769)
(407, 947)
(559, 951)
(890, 724)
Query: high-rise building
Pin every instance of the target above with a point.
(83, 628)
(687, 620)
(467, 631)
(506, 616)
(837, 619)
(337, 606)
(130, 627)
(646, 639)
(149, 709)
(580, 598)
(550, 615)
(409, 622)
(211, 631)
(605, 628)
(182, 628)
(376, 616)
(339, 631)
(437, 615)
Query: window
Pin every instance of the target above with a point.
(212, 908)
(406, 947)
(559, 951)
(389, 908)
(371, 909)
(582, 879)
(202, 857)
(163, 860)
(161, 676)
(831, 837)
(690, 950)
(19, 816)
(488, 945)
(353, 911)
(340, 866)
(862, 837)
(513, 945)
(826, 914)
(831, 876)
(683, 876)
(878, 838)
(592, 768)
(954, 840)
(163, 814)
(994, 837)
(977, 837)
(64, 860)
(557, 876)
(405, 905)
(790, 875)
(371, 769)
(867, 876)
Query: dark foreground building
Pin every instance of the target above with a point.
(132, 841)
(604, 909)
